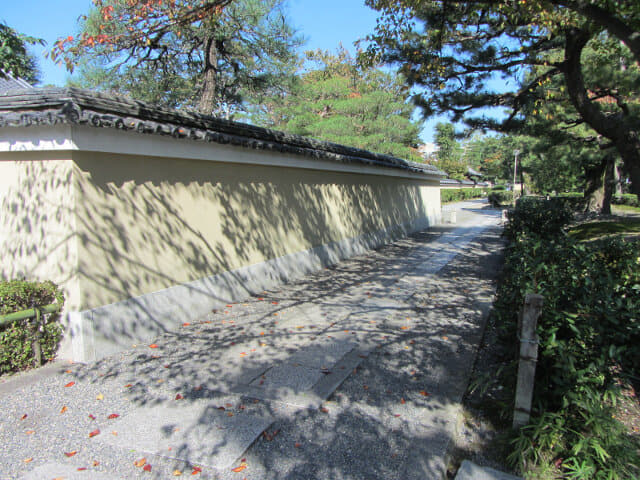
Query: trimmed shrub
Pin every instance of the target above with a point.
(16, 352)
(538, 217)
(498, 188)
(458, 194)
(499, 198)
(626, 199)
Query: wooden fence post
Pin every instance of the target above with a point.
(527, 323)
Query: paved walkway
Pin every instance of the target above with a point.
(356, 372)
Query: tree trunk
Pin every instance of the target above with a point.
(207, 101)
(617, 128)
(599, 186)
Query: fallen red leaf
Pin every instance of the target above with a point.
(424, 393)
(196, 470)
(63, 409)
(153, 345)
(112, 416)
(297, 445)
(239, 469)
(128, 385)
(30, 432)
(274, 303)
(402, 401)
(92, 417)
(70, 384)
(27, 460)
(95, 463)
(23, 416)
(94, 433)
(147, 468)
(140, 462)
(186, 324)
(179, 397)
(396, 414)
(81, 469)
(71, 454)
(228, 405)
(229, 305)
(324, 410)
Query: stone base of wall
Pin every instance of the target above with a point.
(99, 332)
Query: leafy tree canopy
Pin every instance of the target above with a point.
(453, 50)
(14, 56)
(338, 100)
(210, 55)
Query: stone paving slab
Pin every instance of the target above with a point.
(470, 471)
(197, 432)
(64, 471)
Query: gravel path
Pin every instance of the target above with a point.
(354, 372)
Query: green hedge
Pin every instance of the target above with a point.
(500, 198)
(629, 199)
(16, 352)
(448, 195)
(589, 334)
(538, 217)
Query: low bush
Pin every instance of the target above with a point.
(458, 194)
(16, 352)
(589, 338)
(538, 217)
(499, 198)
(628, 199)
(498, 188)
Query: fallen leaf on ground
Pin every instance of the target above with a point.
(404, 328)
(81, 469)
(402, 401)
(199, 387)
(94, 433)
(153, 345)
(445, 338)
(30, 432)
(71, 454)
(23, 416)
(324, 410)
(147, 468)
(177, 473)
(424, 393)
(186, 324)
(27, 460)
(70, 384)
(95, 463)
(179, 397)
(92, 417)
(141, 462)
(196, 470)
(297, 445)
(114, 433)
(396, 414)
(100, 397)
(128, 385)
(239, 469)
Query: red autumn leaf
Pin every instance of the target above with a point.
(140, 463)
(229, 305)
(128, 385)
(147, 468)
(199, 387)
(274, 303)
(27, 460)
(396, 414)
(30, 432)
(92, 417)
(402, 401)
(260, 298)
(63, 409)
(228, 405)
(297, 445)
(179, 397)
(196, 470)
(95, 463)
(70, 384)
(94, 433)
(71, 454)
(324, 410)
(424, 393)
(239, 469)
(81, 469)
(186, 324)
(153, 345)
(23, 416)
(112, 416)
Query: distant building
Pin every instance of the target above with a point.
(428, 152)
(10, 83)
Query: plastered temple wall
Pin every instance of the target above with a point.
(143, 242)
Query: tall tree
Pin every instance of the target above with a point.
(449, 152)
(455, 48)
(209, 55)
(338, 100)
(14, 55)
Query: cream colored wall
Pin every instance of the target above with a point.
(148, 223)
(37, 219)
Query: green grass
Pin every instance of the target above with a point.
(625, 208)
(591, 230)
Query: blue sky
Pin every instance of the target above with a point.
(325, 24)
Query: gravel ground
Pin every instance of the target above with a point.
(395, 416)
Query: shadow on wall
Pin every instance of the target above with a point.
(37, 234)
